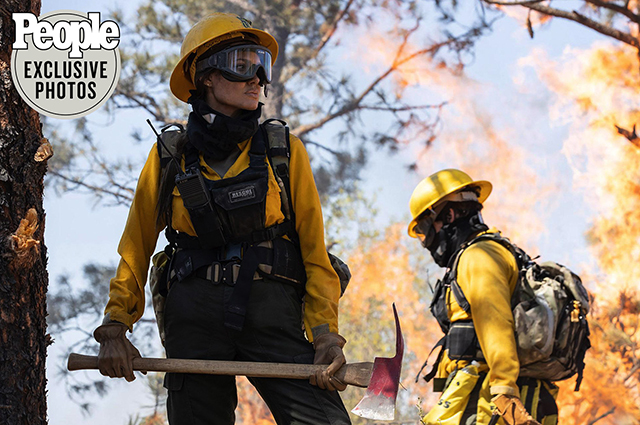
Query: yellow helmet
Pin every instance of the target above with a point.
(209, 31)
(436, 187)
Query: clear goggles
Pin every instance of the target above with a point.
(424, 227)
(240, 63)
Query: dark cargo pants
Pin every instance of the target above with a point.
(194, 326)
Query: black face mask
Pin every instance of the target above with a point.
(451, 237)
(221, 137)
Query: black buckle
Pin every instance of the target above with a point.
(282, 169)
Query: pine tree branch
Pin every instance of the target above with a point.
(332, 151)
(332, 29)
(326, 37)
(573, 16)
(137, 98)
(632, 372)
(513, 3)
(632, 136)
(616, 8)
(399, 60)
(604, 415)
(121, 198)
(401, 108)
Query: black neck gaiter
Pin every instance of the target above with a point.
(216, 140)
(451, 237)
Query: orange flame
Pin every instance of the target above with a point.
(595, 90)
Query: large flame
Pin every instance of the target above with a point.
(593, 92)
(596, 90)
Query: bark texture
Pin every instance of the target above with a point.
(23, 274)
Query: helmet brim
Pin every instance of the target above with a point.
(485, 190)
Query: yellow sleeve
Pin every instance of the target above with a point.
(126, 292)
(323, 284)
(487, 275)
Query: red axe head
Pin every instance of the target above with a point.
(379, 402)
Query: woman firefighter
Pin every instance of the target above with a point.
(246, 243)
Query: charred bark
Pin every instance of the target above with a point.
(23, 274)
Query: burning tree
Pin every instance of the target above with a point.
(598, 90)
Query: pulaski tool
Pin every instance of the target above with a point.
(379, 402)
(381, 378)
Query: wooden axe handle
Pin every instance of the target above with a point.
(358, 374)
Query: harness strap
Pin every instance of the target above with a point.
(586, 344)
(185, 241)
(520, 258)
(494, 418)
(432, 373)
(236, 311)
(191, 157)
(279, 154)
(185, 262)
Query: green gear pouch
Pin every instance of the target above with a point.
(454, 400)
(156, 280)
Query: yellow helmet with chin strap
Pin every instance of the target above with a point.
(209, 31)
(439, 186)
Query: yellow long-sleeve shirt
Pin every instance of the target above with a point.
(487, 275)
(126, 295)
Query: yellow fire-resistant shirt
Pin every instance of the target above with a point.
(487, 275)
(126, 295)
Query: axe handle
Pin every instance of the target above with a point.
(358, 374)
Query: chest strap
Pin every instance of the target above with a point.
(185, 241)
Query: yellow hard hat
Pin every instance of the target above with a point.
(209, 31)
(436, 187)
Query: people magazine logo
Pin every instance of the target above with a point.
(65, 64)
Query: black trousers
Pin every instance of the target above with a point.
(194, 327)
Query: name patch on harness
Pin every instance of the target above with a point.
(243, 194)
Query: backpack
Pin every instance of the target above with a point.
(549, 306)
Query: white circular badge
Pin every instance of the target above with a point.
(65, 64)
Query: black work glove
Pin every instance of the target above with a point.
(328, 348)
(116, 351)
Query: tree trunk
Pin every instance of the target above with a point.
(23, 274)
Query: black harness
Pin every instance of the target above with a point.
(228, 216)
(460, 336)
